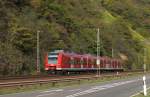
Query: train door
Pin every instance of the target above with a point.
(92, 63)
(87, 59)
(72, 63)
(101, 63)
(81, 62)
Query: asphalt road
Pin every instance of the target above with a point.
(117, 88)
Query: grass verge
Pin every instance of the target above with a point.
(142, 95)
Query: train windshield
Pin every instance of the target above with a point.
(52, 60)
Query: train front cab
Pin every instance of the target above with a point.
(52, 62)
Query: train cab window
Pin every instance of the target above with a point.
(52, 60)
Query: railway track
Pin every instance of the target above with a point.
(39, 77)
(55, 79)
(36, 77)
(25, 77)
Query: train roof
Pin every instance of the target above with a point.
(79, 55)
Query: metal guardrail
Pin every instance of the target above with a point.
(53, 81)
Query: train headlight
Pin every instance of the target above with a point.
(46, 68)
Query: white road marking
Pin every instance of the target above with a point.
(138, 93)
(59, 90)
(75, 90)
(44, 95)
(99, 88)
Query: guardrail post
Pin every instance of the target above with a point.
(79, 81)
(40, 84)
(53, 84)
(21, 85)
(144, 86)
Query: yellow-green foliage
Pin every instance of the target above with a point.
(71, 25)
(136, 35)
(107, 17)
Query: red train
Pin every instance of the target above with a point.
(60, 61)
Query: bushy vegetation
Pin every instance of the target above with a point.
(71, 25)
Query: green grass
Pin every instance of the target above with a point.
(142, 95)
(60, 84)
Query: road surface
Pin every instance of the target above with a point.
(117, 88)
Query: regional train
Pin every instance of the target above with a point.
(59, 61)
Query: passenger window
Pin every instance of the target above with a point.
(71, 61)
(81, 61)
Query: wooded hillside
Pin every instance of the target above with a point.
(72, 25)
